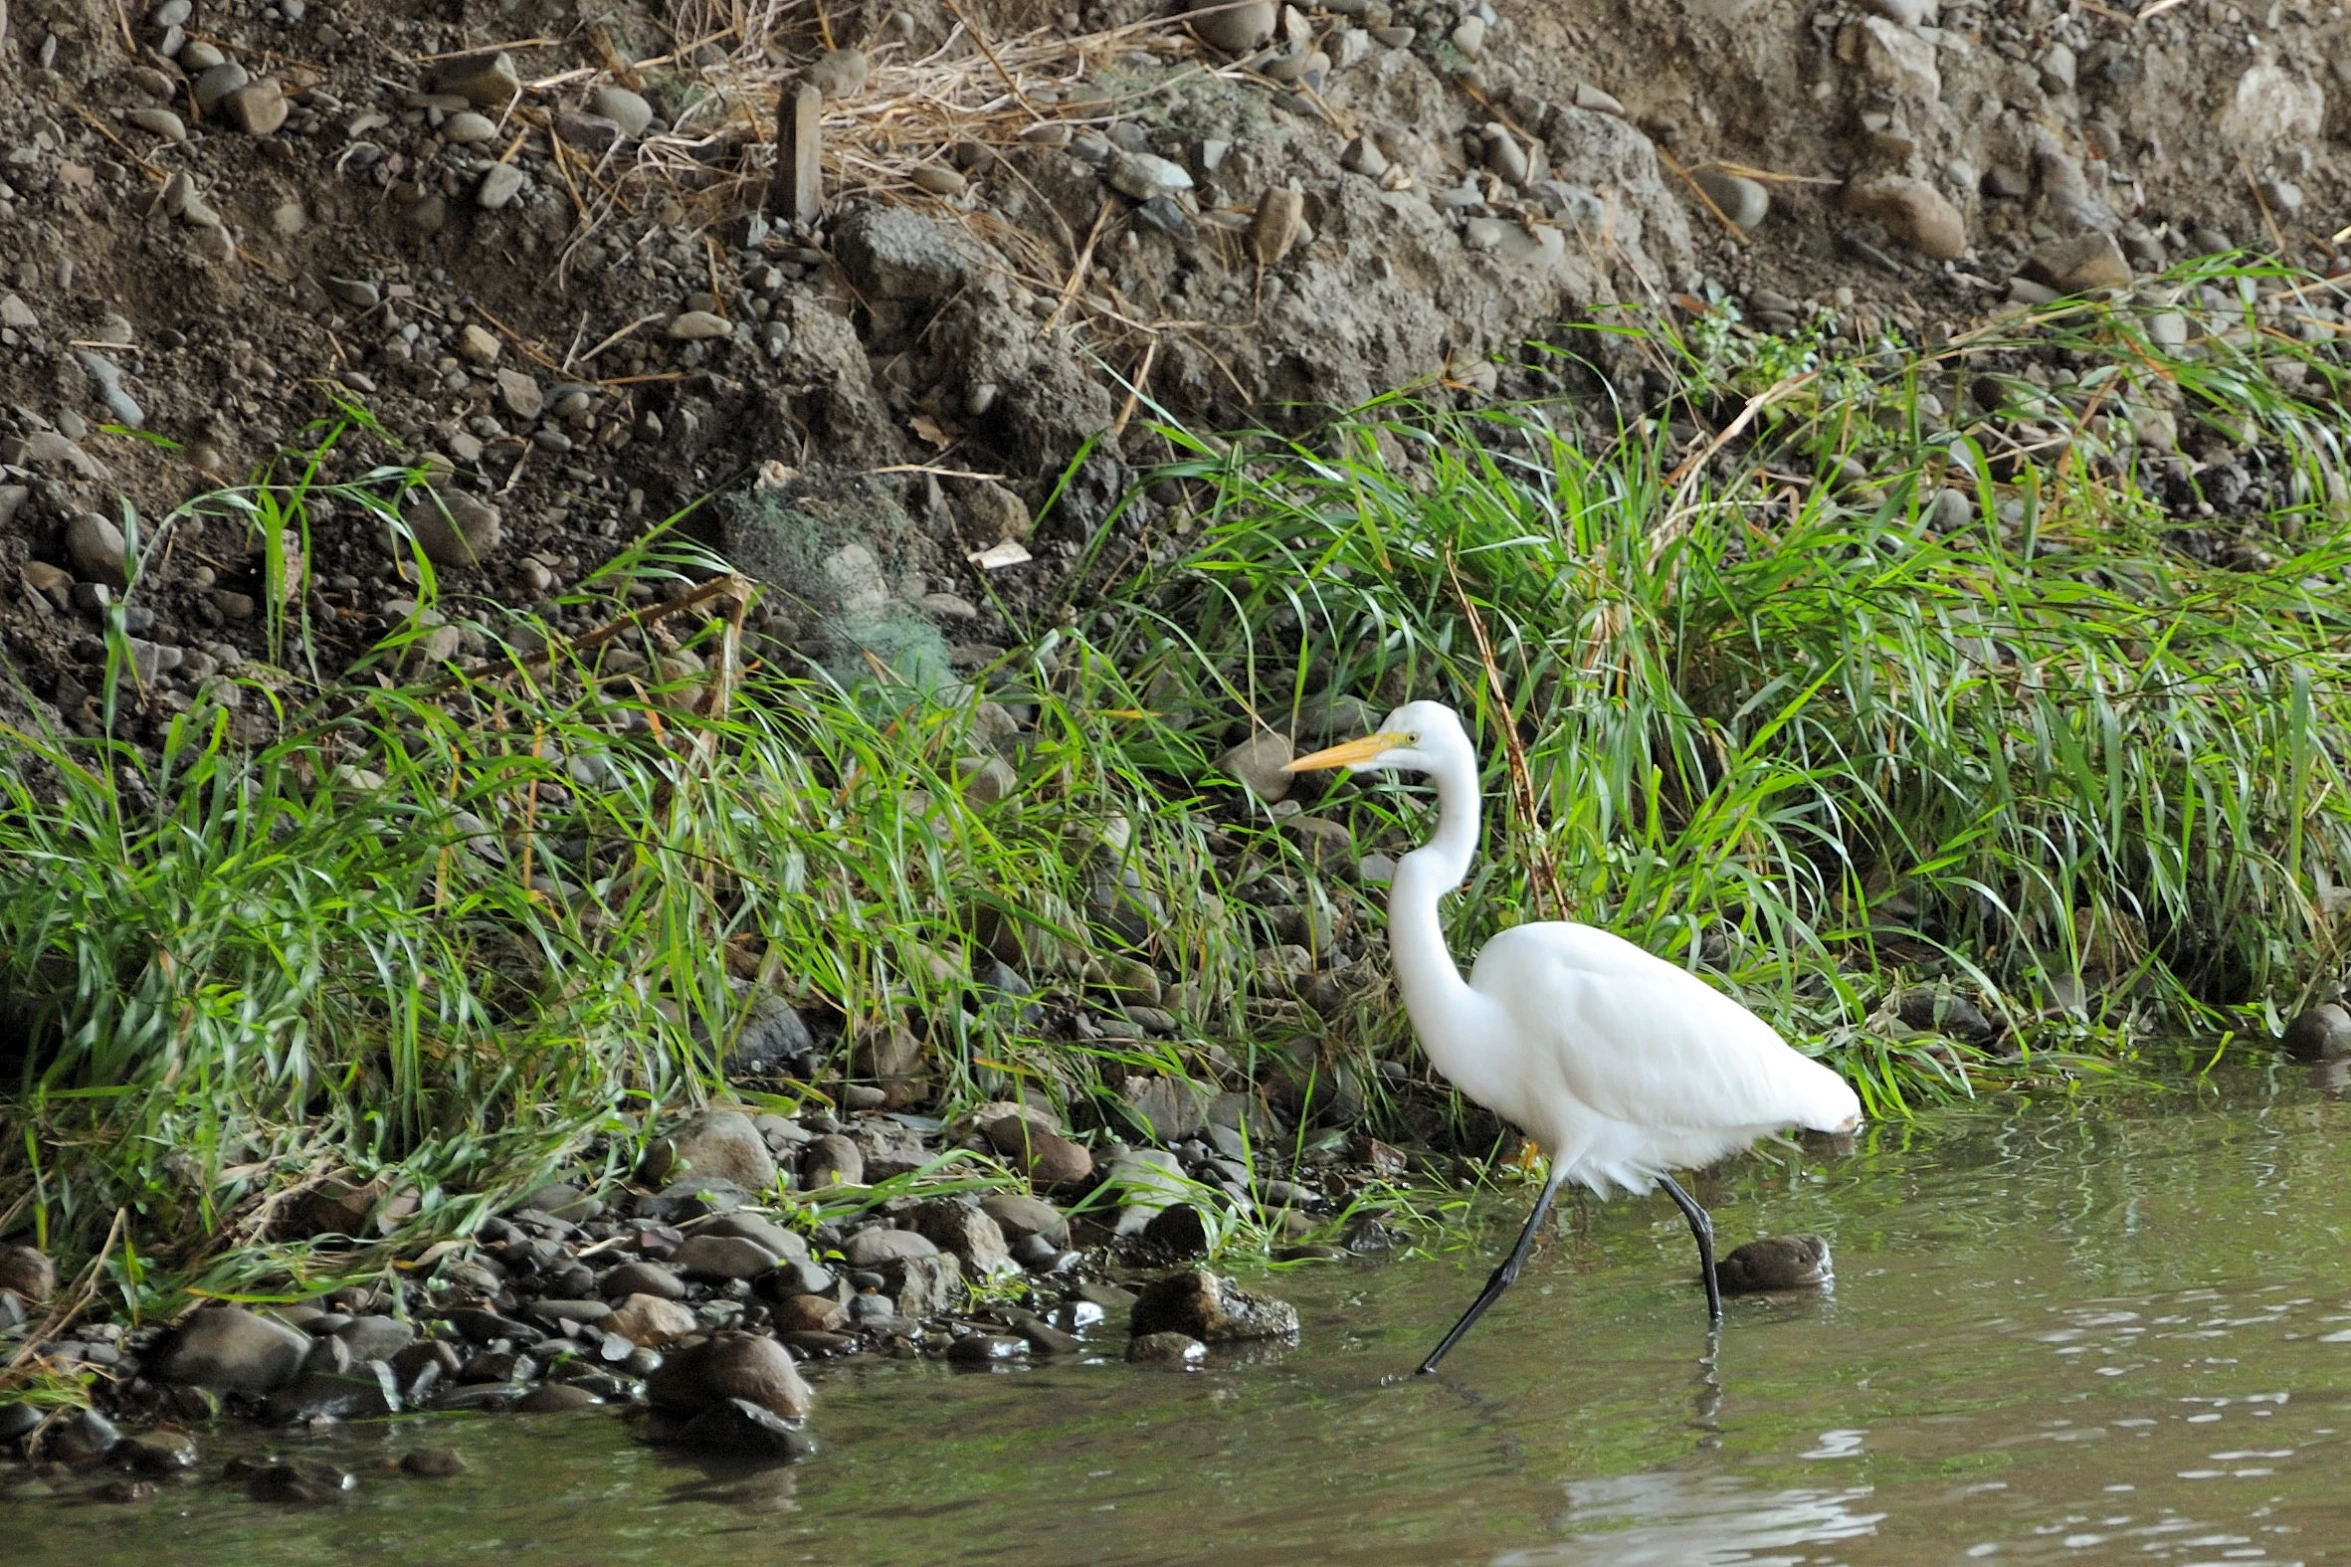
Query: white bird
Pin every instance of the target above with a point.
(1620, 1066)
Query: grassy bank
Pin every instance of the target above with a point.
(2060, 746)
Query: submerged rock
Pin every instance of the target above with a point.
(1777, 1262)
(1210, 1308)
(2321, 1034)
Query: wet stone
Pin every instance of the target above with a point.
(432, 1463)
(298, 1481)
(1166, 1349)
(642, 1278)
(158, 1452)
(1211, 1308)
(2323, 1033)
(555, 1398)
(1777, 1262)
(232, 1350)
(987, 1349)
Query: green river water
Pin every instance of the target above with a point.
(2109, 1331)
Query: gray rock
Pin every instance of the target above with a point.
(231, 1350)
(1144, 175)
(742, 1428)
(722, 1257)
(590, 132)
(375, 1338)
(872, 1247)
(987, 1349)
(1777, 1262)
(745, 1366)
(340, 1390)
(81, 1437)
(1018, 1217)
(452, 527)
(159, 1452)
(832, 1160)
(766, 1233)
(623, 108)
(965, 1230)
(891, 253)
(923, 1286)
(215, 84)
(486, 79)
(1744, 201)
(501, 183)
(699, 326)
(432, 1463)
(468, 128)
(1469, 35)
(1211, 1308)
(1236, 28)
(1166, 1349)
(555, 1398)
(97, 549)
(2321, 1034)
(642, 1278)
(718, 1145)
(2079, 264)
(1258, 762)
(1951, 510)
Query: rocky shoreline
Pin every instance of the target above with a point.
(693, 1300)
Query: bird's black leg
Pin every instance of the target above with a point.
(1702, 1229)
(1503, 1276)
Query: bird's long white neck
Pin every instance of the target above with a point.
(1445, 1011)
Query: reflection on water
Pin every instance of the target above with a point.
(2115, 1332)
(1662, 1518)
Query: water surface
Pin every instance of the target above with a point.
(2106, 1332)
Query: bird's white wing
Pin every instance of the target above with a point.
(1648, 1044)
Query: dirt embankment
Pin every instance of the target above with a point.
(548, 245)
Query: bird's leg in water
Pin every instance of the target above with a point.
(1503, 1276)
(1702, 1228)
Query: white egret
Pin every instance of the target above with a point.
(1620, 1066)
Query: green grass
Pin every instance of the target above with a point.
(459, 928)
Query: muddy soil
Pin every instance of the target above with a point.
(570, 258)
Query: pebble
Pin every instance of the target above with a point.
(467, 128)
(694, 326)
(1237, 29)
(28, 1273)
(987, 1349)
(1143, 175)
(2078, 265)
(1744, 201)
(258, 108)
(453, 528)
(96, 547)
(623, 108)
(501, 183)
(649, 1320)
(939, 180)
(872, 1247)
(1277, 225)
(478, 344)
(217, 83)
(158, 122)
(643, 1278)
(489, 80)
(1469, 35)
(1258, 762)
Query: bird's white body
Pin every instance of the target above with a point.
(1626, 1067)
(1621, 1066)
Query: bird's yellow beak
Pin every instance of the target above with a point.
(1350, 754)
